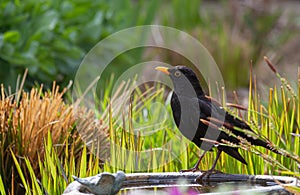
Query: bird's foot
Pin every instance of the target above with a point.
(207, 174)
(212, 171)
(194, 169)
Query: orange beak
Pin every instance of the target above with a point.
(162, 69)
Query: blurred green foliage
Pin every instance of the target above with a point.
(50, 37)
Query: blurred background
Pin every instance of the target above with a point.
(50, 38)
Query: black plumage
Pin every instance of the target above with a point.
(197, 117)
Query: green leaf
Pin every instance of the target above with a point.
(2, 189)
(12, 36)
(83, 163)
(35, 186)
(19, 169)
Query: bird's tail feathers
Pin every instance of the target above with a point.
(275, 150)
(233, 152)
(266, 145)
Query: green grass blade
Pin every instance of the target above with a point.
(83, 163)
(36, 189)
(19, 169)
(2, 189)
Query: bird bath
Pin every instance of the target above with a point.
(161, 183)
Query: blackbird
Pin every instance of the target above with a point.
(199, 118)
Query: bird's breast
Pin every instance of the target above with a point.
(186, 115)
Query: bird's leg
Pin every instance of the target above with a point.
(196, 167)
(215, 162)
(210, 171)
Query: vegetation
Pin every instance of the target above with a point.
(46, 151)
(50, 37)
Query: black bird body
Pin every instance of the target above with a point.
(191, 108)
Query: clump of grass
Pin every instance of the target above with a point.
(279, 121)
(26, 119)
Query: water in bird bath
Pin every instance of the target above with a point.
(172, 183)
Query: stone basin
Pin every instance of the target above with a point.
(159, 183)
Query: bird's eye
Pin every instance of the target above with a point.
(177, 73)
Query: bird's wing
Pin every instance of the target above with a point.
(207, 131)
(217, 115)
(220, 117)
(207, 109)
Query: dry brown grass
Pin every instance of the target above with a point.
(24, 125)
(26, 118)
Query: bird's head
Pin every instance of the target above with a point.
(184, 80)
